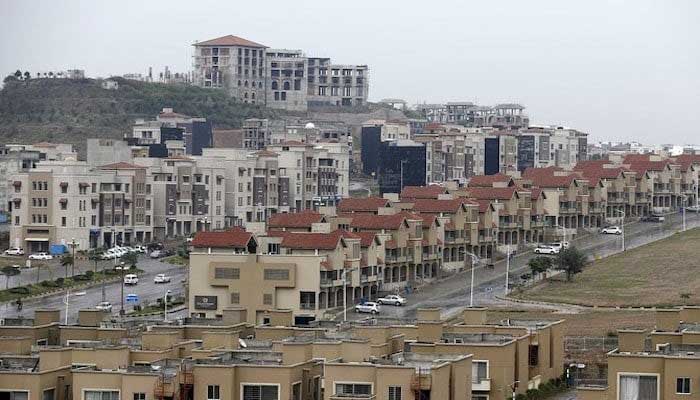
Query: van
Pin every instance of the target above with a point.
(131, 279)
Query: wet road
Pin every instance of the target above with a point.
(147, 291)
(453, 293)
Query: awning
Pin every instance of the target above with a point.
(30, 239)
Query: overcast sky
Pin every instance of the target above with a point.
(620, 70)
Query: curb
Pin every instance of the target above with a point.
(170, 311)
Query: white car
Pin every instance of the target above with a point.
(559, 245)
(108, 255)
(545, 249)
(161, 278)
(104, 306)
(40, 256)
(392, 299)
(140, 249)
(14, 251)
(611, 230)
(369, 307)
(131, 279)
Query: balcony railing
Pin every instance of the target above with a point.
(481, 385)
(307, 306)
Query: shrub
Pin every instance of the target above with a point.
(59, 281)
(81, 278)
(20, 290)
(90, 274)
(48, 284)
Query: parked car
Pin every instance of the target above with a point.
(157, 254)
(546, 249)
(653, 218)
(611, 230)
(693, 209)
(140, 249)
(559, 245)
(104, 306)
(40, 256)
(131, 279)
(108, 255)
(394, 299)
(14, 251)
(161, 278)
(369, 307)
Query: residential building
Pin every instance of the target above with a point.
(13, 160)
(335, 84)
(373, 134)
(234, 64)
(286, 85)
(401, 163)
(192, 134)
(501, 116)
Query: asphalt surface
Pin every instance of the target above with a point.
(146, 290)
(452, 293)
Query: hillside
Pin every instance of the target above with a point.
(69, 111)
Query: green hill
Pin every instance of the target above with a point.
(69, 111)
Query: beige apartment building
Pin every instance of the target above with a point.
(659, 365)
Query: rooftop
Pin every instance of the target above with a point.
(243, 357)
(230, 40)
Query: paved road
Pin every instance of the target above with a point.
(146, 290)
(453, 293)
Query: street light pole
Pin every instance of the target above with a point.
(475, 262)
(73, 245)
(165, 306)
(507, 268)
(622, 228)
(685, 203)
(345, 296)
(121, 311)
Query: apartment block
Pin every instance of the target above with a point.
(660, 364)
(502, 116)
(287, 84)
(401, 163)
(277, 78)
(373, 134)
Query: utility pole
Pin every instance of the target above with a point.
(121, 311)
(73, 245)
(507, 269)
(165, 305)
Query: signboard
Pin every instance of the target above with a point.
(205, 302)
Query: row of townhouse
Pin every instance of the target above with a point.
(660, 364)
(61, 202)
(230, 358)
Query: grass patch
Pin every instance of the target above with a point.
(663, 273)
(176, 260)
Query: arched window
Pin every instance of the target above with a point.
(275, 85)
(245, 95)
(286, 86)
(252, 95)
(239, 83)
(245, 84)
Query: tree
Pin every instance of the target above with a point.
(539, 265)
(130, 259)
(95, 255)
(18, 74)
(66, 260)
(685, 296)
(27, 75)
(572, 261)
(9, 78)
(9, 271)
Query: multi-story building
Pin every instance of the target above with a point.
(13, 160)
(336, 85)
(234, 64)
(661, 364)
(454, 153)
(192, 133)
(401, 163)
(284, 79)
(54, 203)
(286, 84)
(501, 116)
(373, 134)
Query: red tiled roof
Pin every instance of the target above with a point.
(428, 219)
(587, 164)
(687, 160)
(390, 244)
(122, 165)
(491, 193)
(535, 193)
(362, 204)
(303, 219)
(235, 238)
(312, 240)
(437, 206)
(532, 172)
(642, 166)
(229, 40)
(422, 192)
(488, 180)
(631, 158)
(552, 181)
(366, 238)
(377, 222)
(484, 205)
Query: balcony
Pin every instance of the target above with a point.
(481, 385)
(339, 396)
(326, 283)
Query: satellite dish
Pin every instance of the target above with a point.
(242, 343)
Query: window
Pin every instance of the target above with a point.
(17, 395)
(235, 298)
(227, 273)
(353, 389)
(480, 371)
(139, 396)
(638, 387)
(682, 385)
(267, 299)
(101, 395)
(394, 392)
(276, 274)
(296, 391)
(533, 355)
(260, 392)
(48, 394)
(212, 392)
(307, 300)
(63, 221)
